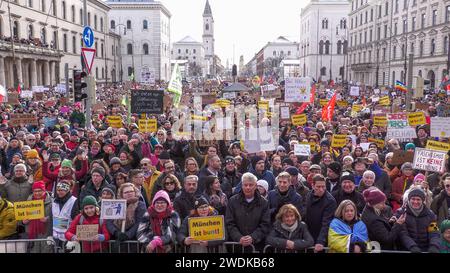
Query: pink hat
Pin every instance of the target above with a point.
(373, 196)
(161, 195)
(38, 185)
(420, 176)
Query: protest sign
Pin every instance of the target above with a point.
(397, 120)
(323, 102)
(224, 123)
(263, 105)
(379, 142)
(148, 125)
(364, 146)
(50, 122)
(297, 89)
(223, 103)
(29, 210)
(38, 96)
(284, 113)
(429, 160)
(417, 118)
(25, 119)
(270, 91)
(147, 101)
(87, 232)
(401, 157)
(113, 209)
(209, 228)
(60, 88)
(438, 146)
(357, 108)
(26, 94)
(298, 120)
(302, 149)
(37, 89)
(208, 99)
(380, 121)
(354, 91)
(50, 103)
(385, 101)
(313, 146)
(114, 121)
(422, 106)
(440, 127)
(229, 95)
(338, 141)
(13, 98)
(342, 103)
(402, 134)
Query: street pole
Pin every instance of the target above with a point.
(448, 55)
(89, 78)
(66, 76)
(410, 79)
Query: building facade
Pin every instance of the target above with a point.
(47, 35)
(192, 51)
(144, 26)
(383, 34)
(323, 39)
(208, 40)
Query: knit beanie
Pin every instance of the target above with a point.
(373, 196)
(416, 193)
(347, 176)
(410, 146)
(200, 202)
(89, 201)
(292, 171)
(255, 161)
(335, 167)
(161, 195)
(419, 176)
(32, 154)
(38, 185)
(348, 157)
(264, 184)
(406, 165)
(111, 189)
(114, 160)
(66, 163)
(98, 170)
(444, 225)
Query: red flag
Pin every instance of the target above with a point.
(364, 103)
(313, 94)
(301, 108)
(328, 110)
(448, 87)
(19, 89)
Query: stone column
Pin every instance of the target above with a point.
(2, 72)
(11, 73)
(19, 71)
(33, 72)
(53, 73)
(46, 73)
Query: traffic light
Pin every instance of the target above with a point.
(78, 85)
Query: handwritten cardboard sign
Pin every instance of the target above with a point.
(25, 119)
(87, 232)
(429, 160)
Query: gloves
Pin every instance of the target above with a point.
(121, 236)
(433, 249)
(156, 242)
(74, 238)
(415, 249)
(101, 237)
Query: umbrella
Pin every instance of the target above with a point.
(236, 87)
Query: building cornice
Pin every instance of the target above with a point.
(140, 6)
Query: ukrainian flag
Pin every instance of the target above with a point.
(400, 86)
(340, 235)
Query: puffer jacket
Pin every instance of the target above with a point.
(90, 189)
(300, 236)
(89, 247)
(277, 200)
(379, 228)
(439, 206)
(8, 223)
(419, 231)
(16, 189)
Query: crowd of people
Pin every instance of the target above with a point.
(334, 200)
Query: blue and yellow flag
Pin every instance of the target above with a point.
(176, 85)
(340, 235)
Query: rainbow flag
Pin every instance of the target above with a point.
(400, 86)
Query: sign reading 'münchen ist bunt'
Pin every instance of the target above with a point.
(147, 101)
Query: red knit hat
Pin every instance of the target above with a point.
(38, 185)
(373, 196)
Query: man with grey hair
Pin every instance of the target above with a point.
(184, 203)
(247, 217)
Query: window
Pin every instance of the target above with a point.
(360, 19)
(393, 77)
(43, 5)
(103, 72)
(379, 33)
(73, 13)
(289, 53)
(145, 49)
(30, 31)
(128, 24)
(359, 57)
(365, 20)
(43, 36)
(95, 22)
(394, 52)
(112, 51)
(447, 14)
(30, 3)
(378, 55)
(129, 49)
(96, 72)
(345, 47)
(145, 24)
(343, 24)
(339, 46)
(130, 71)
(74, 45)
(281, 53)
(63, 9)
(433, 47)
(325, 23)
(327, 47)
(446, 44)
(434, 18)
(207, 27)
(395, 28)
(413, 24)
(405, 4)
(379, 11)
(403, 51)
(65, 42)
(323, 71)
(384, 54)
(405, 26)
(371, 15)
(365, 37)
(411, 48)
(194, 51)
(360, 38)
(101, 24)
(423, 21)
(96, 49)
(179, 51)
(321, 47)
(385, 31)
(113, 24)
(54, 40)
(421, 49)
(370, 35)
(89, 18)
(101, 50)
(187, 51)
(54, 12)
(396, 6)
(386, 8)
(81, 17)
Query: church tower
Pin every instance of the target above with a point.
(208, 39)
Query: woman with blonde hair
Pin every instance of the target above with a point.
(289, 232)
(347, 233)
(191, 167)
(171, 185)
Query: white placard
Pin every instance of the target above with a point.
(61, 88)
(354, 91)
(269, 87)
(113, 209)
(403, 134)
(26, 94)
(302, 149)
(259, 139)
(429, 160)
(284, 112)
(229, 95)
(37, 89)
(223, 123)
(440, 127)
(376, 91)
(364, 146)
(297, 89)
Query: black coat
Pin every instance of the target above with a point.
(383, 182)
(204, 172)
(276, 201)
(278, 236)
(319, 213)
(90, 189)
(355, 197)
(184, 203)
(379, 228)
(230, 180)
(243, 218)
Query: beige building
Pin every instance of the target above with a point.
(47, 35)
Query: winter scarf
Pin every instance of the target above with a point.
(130, 220)
(416, 212)
(290, 228)
(36, 227)
(157, 218)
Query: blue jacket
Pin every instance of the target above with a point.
(266, 175)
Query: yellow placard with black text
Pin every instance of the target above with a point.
(298, 120)
(148, 126)
(385, 101)
(417, 118)
(115, 121)
(323, 102)
(209, 228)
(379, 142)
(380, 121)
(437, 146)
(338, 141)
(29, 210)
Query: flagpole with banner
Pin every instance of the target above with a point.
(175, 85)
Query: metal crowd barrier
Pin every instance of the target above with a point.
(27, 246)
(273, 250)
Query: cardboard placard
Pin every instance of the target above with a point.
(379, 142)
(357, 108)
(397, 120)
(13, 98)
(25, 119)
(29, 210)
(323, 102)
(401, 157)
(429, 160)
(298, 120)
(147, 101)
(38, 96)
(438, 146)
(113, 209)
(26, 94)
(263, 105)
(114, 121)
(440, 127)
(87, 232)
(380, 121)
(209, 228)
(385, 101)
(148, 126)
(342, 103)
(338, 141)
(417, 118)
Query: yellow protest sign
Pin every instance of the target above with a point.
(313, 146)
(263, 104)
(323, 102)
(197, 117)
(342, 103)
(438, 146)
(148, 126)
(209, 228)
(379, 142)
(417, 118)
(338, 141)
(29, 210)
(299, 119)
(357, 108)
(385, 101)
(380, 121)
(223, 103)
(115, 121)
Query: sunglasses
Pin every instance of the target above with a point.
(169, 183)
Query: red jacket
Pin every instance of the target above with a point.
(50, 177)
(94, 246)
(71, 145)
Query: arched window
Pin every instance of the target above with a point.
(343, 24)
(130, 49)
(74, 45)
(73, 13)
(339, 47)
(325, 23)
(113, 24)
(16, 29)
(321, 47)
(393, 77)
(433, 47)
(327, 47)
(145, 24)
(30, 31)
(63, 7)
(194, 51)
(145, 49)
(323, 71)
(179, 51)
(207, 27)
(128, 24)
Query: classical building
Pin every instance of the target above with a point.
(47, 35)
(192, 51)
(208, 40)
(383, 34)
(323, 39)
(144, 26)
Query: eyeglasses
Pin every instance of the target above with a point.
(169, 183)
(203, 207)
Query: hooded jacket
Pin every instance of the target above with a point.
(8, 223)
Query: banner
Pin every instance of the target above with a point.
(417, 118)
(429, 160)
(114, 121)
(402, 134)
(298, 120)
(354, 91)
(438, 146)
(148, 125)
(209, 228)
(297, 89)
(302, 149)
(223, 103)
(385, 101)
(87, 232)
(23, 119)
(113, 209)
(440, 127)
(147, 101)
(380, 121)
(338, 141)
(29, 210)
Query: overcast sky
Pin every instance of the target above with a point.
(247, 24)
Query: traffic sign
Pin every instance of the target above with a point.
(88, 57)
(88, 36)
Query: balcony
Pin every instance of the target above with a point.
(24, 46)
(363, 66)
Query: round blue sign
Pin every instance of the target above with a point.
(88, 37)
